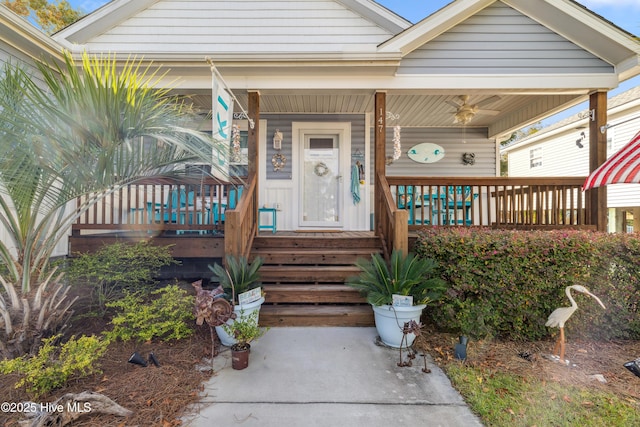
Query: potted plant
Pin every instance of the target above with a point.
(237, 279)
(244, 329)
(398, 291)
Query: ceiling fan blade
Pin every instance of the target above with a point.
(489, 112)
(489, 100)
(454, 104)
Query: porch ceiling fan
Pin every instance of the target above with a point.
(466, 112)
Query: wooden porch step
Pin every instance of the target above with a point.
(311, 256)
(312, 294)
(316, 315)
(331, 241)
(304, 276)
(307, 274)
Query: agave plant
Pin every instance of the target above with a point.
(79, 130)
(238, 276)
(407, 275)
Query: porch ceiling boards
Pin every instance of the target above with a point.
(414, 110)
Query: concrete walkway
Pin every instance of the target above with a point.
(327, 377)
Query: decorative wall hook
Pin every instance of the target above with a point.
(591, 114)
(391, 116)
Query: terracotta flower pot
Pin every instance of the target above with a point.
(240, 358)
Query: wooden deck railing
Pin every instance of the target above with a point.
(392, 224)
(184, 205)
(241, 222)
(497, 202)
(206, 206)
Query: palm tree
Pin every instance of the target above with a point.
(80, 130)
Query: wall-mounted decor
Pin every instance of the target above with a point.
(278, 161)
(277, 140)
(397, 148)
(426, 152)
(236, 156)
(468, 158)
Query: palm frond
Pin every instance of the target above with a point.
(91, 130)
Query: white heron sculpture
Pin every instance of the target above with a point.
(560, 315)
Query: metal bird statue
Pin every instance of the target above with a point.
(560, 315)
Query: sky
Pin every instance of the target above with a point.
(623, 13)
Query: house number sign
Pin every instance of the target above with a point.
(381, 121)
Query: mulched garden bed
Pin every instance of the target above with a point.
(157, 396)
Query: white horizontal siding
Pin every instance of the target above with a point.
(241, 26)
(12, 56)
(623, 195)
(562, 157)
(501, 40)
(518, 161)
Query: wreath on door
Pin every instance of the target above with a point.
(321, 169)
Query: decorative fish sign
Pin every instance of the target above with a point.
(426, 152)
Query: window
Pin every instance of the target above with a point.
(535, 158)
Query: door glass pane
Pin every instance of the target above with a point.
(320, 181)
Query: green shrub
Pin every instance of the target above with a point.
(53, 366)
(244, 329)
(167, 315)
(116, 268)
(506, 283)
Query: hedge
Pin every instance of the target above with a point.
(504, 283)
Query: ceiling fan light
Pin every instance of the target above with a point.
(463, 116)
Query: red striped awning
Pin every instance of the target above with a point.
(622, 167)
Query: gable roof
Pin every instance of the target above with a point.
(536, 57)
(566, 18)
(26, 38)
(236, 27)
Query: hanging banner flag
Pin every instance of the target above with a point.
(623, 167)
(222, 116)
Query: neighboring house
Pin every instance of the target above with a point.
(562, 149)
(24, 45)
(462, 78)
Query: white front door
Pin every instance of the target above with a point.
(321, 151)
(321, 180)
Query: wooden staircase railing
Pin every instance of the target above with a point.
(241, 222)
(393, 224)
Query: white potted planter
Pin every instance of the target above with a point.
(241, 311)
(237, 279)
(398, 291)
(390, 321)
